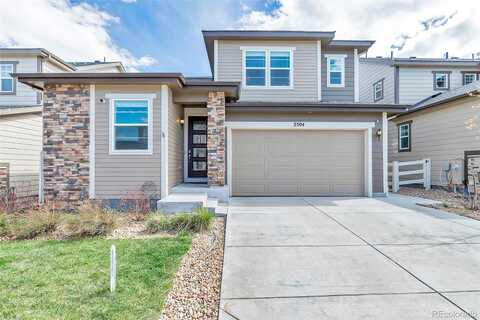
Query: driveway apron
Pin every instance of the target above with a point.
(348, 258)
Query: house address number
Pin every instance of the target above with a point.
(299, 124)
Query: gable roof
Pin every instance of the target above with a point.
(89, 65)
(447, 96)
(41, 53)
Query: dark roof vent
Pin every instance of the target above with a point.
(379, 57)
(413, 57)
(454, 58)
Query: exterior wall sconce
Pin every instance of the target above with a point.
(379, 133)
(180, 121)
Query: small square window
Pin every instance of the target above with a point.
(441, 80)
(469, 78)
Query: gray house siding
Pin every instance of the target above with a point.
(345, 94)
(377, 153)
(416, 83)
(175, 144)
(120, 176)
(373, 70)
(304, 70)
(441, 134)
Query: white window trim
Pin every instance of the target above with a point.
(400, 136)
(342, 57)
(469, 74)
(267, 68)
(366, 127)
(447, 80)
(12, 65)
(131, 97)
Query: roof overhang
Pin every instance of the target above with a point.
(475, 93)
(209, 36)
(435, 62)
(40, 52)
(391, 109)
(175, 80)
(361, 45)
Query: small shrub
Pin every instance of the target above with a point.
(3, 225)
(31, 225)
(197, 221)
(90, 221)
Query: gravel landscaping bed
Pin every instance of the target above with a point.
(449, 201)
(195, 293)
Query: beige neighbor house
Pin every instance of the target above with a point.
(21, 113)
(280, 117)
(445, 129)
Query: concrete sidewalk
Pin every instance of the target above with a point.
(348, 258)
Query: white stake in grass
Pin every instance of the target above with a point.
(113, 268)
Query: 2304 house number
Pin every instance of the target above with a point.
(299, 124)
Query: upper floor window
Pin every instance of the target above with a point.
(378, 90)
(255, 68)
(441, 80)
(131, 129)
(469, 78)
(404, 136)
(7, 83)
(336, 70)
(268, 68)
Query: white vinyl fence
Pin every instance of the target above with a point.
(414, 168)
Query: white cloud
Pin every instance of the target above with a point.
(129, 1)
(409, 27)
(73, 32)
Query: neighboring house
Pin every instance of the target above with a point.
(281, 117)
(443, 128)
(410, 80)
(21, 113)
(98, 66)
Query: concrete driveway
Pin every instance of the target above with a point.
(348, 258)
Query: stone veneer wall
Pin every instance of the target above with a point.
(4, 177)
(66, 142)
(216, 138)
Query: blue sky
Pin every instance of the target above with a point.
(170, 30)
(165, 35)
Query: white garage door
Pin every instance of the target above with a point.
(297, 163)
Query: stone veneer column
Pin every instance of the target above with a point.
(216, 138)
(66, 143)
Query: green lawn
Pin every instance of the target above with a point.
(70, 279)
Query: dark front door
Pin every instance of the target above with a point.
(197, 147)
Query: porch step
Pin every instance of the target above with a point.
(183, 201)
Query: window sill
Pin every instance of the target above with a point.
(7, 93)
(130, 153)
(405, 150)
(267, 88)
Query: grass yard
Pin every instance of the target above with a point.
(70, 279)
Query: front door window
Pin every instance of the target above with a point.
(197, 147)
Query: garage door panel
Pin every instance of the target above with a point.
(303, 162)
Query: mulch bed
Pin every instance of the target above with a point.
(196, 289)
(449, 201)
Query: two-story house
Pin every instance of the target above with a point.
(281, 116)
(411, 80)
(442, 122)
(21, 112)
